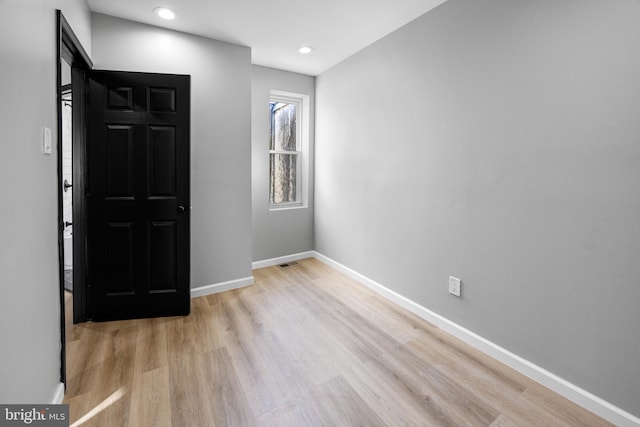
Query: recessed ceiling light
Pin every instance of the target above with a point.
(305, 50)
(164, 13)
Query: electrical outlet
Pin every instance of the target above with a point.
(454, 286)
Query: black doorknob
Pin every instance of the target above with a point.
(180, 208)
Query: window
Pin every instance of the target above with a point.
(287, 149)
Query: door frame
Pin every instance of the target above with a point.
(69, 48)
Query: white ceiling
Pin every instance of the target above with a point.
(275, 29)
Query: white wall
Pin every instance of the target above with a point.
(76, 12)
(29, 271)
(498, 141)
(220, 133)
(281, 232)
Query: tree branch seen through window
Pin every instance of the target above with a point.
(284, 153)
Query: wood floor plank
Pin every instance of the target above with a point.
(225, 393)
(316, 350)
(150, 398)
(202, 326)
(219, 326)
(443, 395)
(304, 346)
(565, 411)
(151, 345)
(333, 403)
(393, 402)
(190, 404)
(498, 388)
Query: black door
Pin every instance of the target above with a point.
(137, 202)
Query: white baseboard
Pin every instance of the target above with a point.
(221, 287)
(58, 394)
(283, 259)
(587, 400)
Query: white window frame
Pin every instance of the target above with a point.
(302, 148)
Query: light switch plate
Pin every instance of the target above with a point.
(46, 140)
(454, 286)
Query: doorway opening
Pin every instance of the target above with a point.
(67, 175)
(66, 193)
(71, 59)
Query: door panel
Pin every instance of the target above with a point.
(162, 162)
(120, 162)
(138, 195)
(162, 256)
(120, 261)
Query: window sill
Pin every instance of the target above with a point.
(286, 206)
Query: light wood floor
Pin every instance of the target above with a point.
(304, 346)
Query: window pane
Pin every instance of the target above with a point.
(283, 126)
(283, 178)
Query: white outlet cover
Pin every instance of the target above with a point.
(454, 286)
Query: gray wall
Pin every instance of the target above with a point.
(29, 286)
(498, 141)
(220, 133)
(281, 232)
